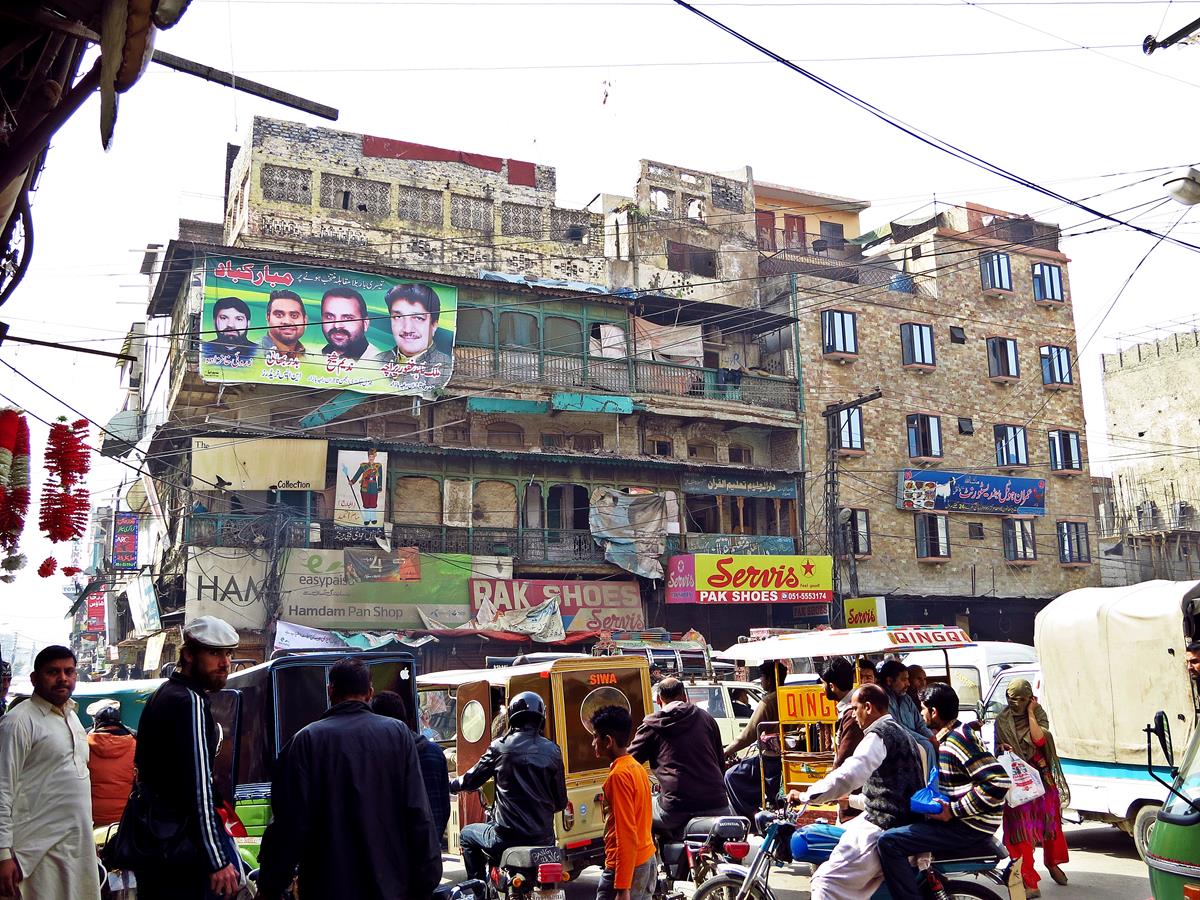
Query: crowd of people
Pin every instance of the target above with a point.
(344, 825)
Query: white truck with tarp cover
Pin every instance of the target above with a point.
(1110, 658)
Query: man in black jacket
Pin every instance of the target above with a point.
(176, 745)
(682, 744)
(530, 788)
(348, 806)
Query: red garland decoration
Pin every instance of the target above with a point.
(46, 569)
(71, 571)
(14, 479)
(64, 510)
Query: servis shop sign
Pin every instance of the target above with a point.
(727, 578)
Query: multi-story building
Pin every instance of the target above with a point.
(963, 489)
(1154, 495)
(680, 344)
(624, 354)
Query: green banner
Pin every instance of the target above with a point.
(276, 323)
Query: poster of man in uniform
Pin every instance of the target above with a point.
(361, 495)
(276, 323)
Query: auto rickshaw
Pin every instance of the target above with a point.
(807, 718)
(572, 689)
(263, 706)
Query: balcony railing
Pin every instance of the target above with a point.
(552, 545)
(622, 376)
(787, 253)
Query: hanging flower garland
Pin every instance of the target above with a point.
(14, 488)
(65, 502)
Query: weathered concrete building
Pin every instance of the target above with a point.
(587, 355)
(1153, 432)
(963, 490)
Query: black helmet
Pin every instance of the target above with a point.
(526, 709)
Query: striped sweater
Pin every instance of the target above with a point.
(972, 778)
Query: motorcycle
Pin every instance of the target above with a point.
(784, 843)
(707, 842)
(527, 873)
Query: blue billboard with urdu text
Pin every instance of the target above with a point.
(276, 323)
(933, 490)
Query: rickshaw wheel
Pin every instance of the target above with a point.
(969, 890)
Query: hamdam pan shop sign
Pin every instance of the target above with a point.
(276, 323)
(716, 578)
(927, 490)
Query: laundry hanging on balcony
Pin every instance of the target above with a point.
(632, 529)
(679, 344)
(609, 344)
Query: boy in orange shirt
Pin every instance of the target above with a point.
(629, 861)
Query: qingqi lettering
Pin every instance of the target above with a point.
(923, 636)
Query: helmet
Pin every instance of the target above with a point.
(105, 712)
(526, 709)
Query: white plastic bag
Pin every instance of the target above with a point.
(1026, 780)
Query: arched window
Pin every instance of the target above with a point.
(705, 450)
(587, 441)
(505, 434)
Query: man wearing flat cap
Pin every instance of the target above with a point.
(176, 744)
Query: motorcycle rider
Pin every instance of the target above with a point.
(744, 780)
(682, 744)
(530, 788)
(887, 766)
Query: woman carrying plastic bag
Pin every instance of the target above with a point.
(1023, 729)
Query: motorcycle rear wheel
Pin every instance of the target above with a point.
(969, 890)
(726, 887)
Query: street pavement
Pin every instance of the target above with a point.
(1104, 866)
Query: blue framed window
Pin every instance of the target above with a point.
(1047, 282)
(924, 435)
(1056, 365)
(1011, 447)
(995, 271)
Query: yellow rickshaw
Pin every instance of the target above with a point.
(572, 689)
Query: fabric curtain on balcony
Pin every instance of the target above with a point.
(632, 528)
(679, 344)
(609, 344)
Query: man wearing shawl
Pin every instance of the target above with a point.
(1024, 728)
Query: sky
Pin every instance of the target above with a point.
(1057, 92)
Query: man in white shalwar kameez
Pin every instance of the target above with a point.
(46, 847)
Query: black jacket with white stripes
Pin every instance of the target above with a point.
(176, 744)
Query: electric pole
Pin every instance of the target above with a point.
(835, 529)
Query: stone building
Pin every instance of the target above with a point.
(963, 490)
(1153, 434)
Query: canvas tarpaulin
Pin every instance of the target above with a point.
(682, 344)
(1112, 657)
(632, 528)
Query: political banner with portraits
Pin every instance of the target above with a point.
(300, 326)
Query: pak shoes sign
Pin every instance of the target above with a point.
(716, 578)
(583, 605)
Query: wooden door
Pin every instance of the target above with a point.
(472, 737)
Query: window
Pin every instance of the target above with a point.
(850, 430)
(1064, 451)
(1146, 514)
(994, 272)
(518, 331)
(924, 436)
(505, 434)
(764, 225)
(1011, 449)
(702, 450)
(859, 528)
(958, 335)
(838, 332)
(835, 234)
(553, 440)
(659, 447)
(933, 536)
(1056, 365)
(695, 260)
(1019, 542)
(286, 184)
(1002, 358)
(965, 425)
(475, 326)
(741, 455)
(561, 335)
(709, 699)
(694, 209)
(975, 531)
(1047, 283)
(662, 202)
(916, 345)
(1073, 543)
(587, 441)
